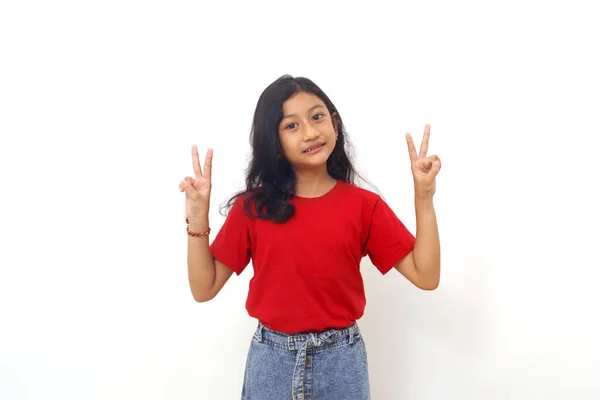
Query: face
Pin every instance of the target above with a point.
(307, 131)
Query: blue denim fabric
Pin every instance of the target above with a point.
(315, 366)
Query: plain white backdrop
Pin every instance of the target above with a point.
(100, 103)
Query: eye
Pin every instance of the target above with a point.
(318, 115)
(289, 126)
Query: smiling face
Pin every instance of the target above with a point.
(307, 131)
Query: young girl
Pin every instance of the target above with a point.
(306, 226)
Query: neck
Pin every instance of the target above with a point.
(313, 183)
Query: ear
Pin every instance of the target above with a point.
(335, 119)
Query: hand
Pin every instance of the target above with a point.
(197, 190)
(424, 168)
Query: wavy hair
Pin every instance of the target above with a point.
(270, 180)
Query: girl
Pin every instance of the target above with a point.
(306, 226)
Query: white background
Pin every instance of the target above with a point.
(101, 101)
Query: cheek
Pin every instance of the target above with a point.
(287, 144)
(331, 130)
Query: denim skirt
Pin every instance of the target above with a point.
(330, 365)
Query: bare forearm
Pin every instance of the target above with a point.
(201, 263)
(427, 246)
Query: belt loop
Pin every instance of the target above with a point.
(259, 331)
(351, 334)
(354, 332)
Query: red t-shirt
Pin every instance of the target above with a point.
(307, 270)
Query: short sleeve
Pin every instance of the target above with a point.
(231, 246)
(388, 241)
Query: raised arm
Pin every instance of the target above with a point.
(206, 275)
(422, 265)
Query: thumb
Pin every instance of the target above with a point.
(189, 190)
(435, 168)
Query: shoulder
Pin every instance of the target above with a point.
(365, 196)
(239, 205)
(246, 203)
(353, 198)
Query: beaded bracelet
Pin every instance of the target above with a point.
(195, 234)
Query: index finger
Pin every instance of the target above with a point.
(424, 142)
(196, 162)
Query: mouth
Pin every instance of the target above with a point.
(314, 148)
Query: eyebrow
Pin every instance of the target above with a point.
(310, 109)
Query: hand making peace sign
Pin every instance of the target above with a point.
(424, 168)
(197, 190)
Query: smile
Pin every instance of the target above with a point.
(314, 148)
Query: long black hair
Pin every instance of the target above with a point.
(270, 180)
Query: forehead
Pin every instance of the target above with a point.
(300, 103)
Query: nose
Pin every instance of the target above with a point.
(311, 133)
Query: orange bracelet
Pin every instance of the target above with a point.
(195, 234)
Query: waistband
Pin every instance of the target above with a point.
(302, 341)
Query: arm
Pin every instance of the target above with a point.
(206, 275)
(422, 265)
